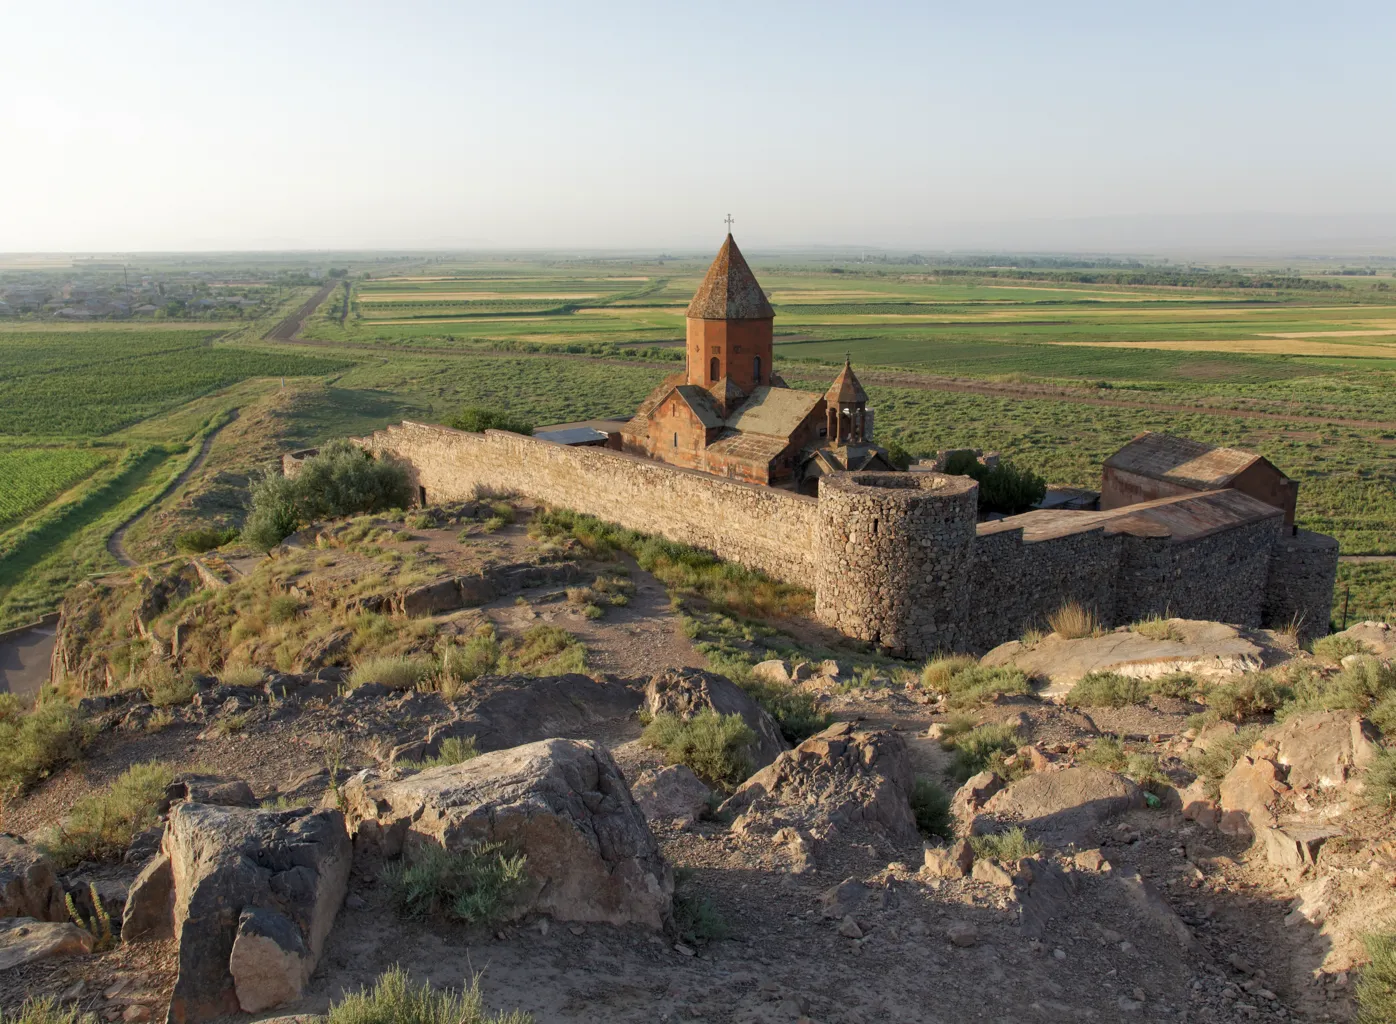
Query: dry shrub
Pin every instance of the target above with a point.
(101, 825)
(1073, 621)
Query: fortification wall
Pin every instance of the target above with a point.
(893, 553)
(1015, 585)
(1299, 588)
(766, 529)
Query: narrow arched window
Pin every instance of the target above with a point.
(713, 370)
(756, 368)
(676, 440)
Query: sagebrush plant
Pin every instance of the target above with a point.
(395, 1000)
(1012, 844)
(1251, 696)
(543, 650)
(474, 885)
(795, 711)
(34, 743)
(981, 748)
(714, 746)
(1111, 689)
(931, 806)
(163, 686)
(1335, 647)
(1366, 685)
(1221, 754)
(241, 675)
(965, 683)
(1073, 621)
(101, 825)
(1376, 982)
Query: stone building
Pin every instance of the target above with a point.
(728, 413)
(1160, 465)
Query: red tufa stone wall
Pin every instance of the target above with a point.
(1119, 487)
(734, 344)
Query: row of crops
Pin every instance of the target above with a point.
(32, 477)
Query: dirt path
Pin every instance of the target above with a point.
(287, 329)
(116, 543)
(1362, 559)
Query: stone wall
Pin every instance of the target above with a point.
(1299, 588)
(892, 555)
(897, 559)
(766, 529)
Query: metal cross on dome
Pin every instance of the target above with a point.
(728, 222)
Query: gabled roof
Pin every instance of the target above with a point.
(1184, 461)
(776, 412)
(701, 403)
(1180, 518)
(730, 291)
(757, 449)
(846, 389)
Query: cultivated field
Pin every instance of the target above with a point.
(1053, 372)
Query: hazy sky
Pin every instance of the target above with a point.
(411, 124)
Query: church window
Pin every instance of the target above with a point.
(676, 440)
(713, 370)
(756, 364)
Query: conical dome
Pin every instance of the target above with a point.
(730, 291)
(846, 390)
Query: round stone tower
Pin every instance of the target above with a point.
(893, 553)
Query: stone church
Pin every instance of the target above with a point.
(728, 413)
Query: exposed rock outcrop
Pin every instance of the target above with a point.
(1063, 806)
(24, 940)
(229, 884)
(562, 803)
(687, 691)
(842, 776)
(671, 793)
(28, 884)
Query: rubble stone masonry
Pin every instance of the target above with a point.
(897, 559)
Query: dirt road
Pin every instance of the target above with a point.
(287, 329)
(116, 543)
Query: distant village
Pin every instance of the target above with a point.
(122, 293)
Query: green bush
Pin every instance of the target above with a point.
(1335, 648)
(1376, 983)
(796, 712)
(1221, 754)
(714, 746)
(980, 748)
(931, 805)
(453, 750)
(394, 1000)
(1009, 845)
(464, 663)
(34, 744)
(197, 541)
(1005, 489)
(1379, 780)
(341, 480)
(283, 608)
(696, 918)
(479, 418)
(1253, 695)
(1110, 689)
(965, 683)
(474, 885)
(101, 825)
(1366, 685)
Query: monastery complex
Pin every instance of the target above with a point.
(725, 456)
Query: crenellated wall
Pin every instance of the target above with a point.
(897, 559)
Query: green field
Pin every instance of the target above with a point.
(1053, 372)
(35, 476)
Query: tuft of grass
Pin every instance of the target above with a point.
(34, 744)
(965, 683)
(1009, 845)
(1104, 752)
(931, 805)
(395, 1000)
(696, 917)
(796, 712)
(453, 750)
(1157, 627)
(543, 651)
(1335, 647)
(242, 675)
(1379, 780)
(593, 611)
(475, 885)
(1032, 636)
(47, 1011)
(1074, 622)
(163, 686)
(714, 746)
(229, 725)
(982, 747)
(101, 825)
(1376, 983)
(282, 608)
(398, 672)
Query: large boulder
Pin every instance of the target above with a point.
(1323, 750)
(562, 803)
(28, 884)
(24, 940)
(1063, 806)
(842, 776)
(671, 793)
(1206, 649)
(688, 691)
(1377, 638)
(1249, 795)
(231, 882)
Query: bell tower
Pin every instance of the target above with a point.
(729, 335)
(846, 405)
